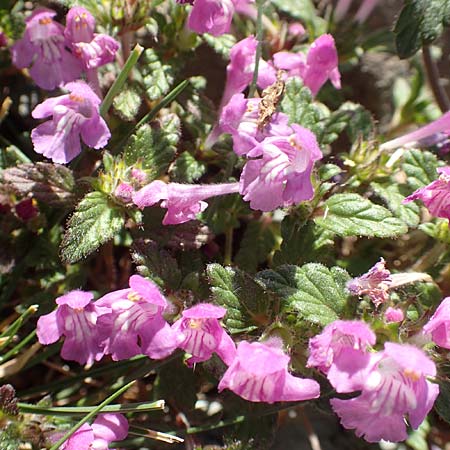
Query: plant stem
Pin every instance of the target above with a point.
(259, 32)
(18, 347)
(93, 413)
(120, 80)
(75, 410)
(434, 79)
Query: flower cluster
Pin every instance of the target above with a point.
(130, 321)
(58, 55)
(74, 117)
(393, 382)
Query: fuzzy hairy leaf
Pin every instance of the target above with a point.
(353, 215)
(420, 167)
(298, 104)
(156, 263)
(95, 221)
(154, 147)
(158, 77)
(127, 103)
(258, 241)
(187, 169)
(313, 292)
(52, 184)
(303, 242)
(442, 405)
(393, 195)
(245, 300)
(420, 22)
(221, 44)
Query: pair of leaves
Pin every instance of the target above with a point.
(312, 293)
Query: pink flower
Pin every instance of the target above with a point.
(93, 50)
(340, 351)
(74, 116)
(42, 48)
(98, 52)
(375, 283)
(259, 373)
(240, 119)
(80, 25)
(136, 325)
(106, 428)
(76, 318)
(395, 386)
(204, 334)
(436, 195)
(282, 174)
(319, 65)
(211, 16)
(441, 125)
(183, 201)
(439, 324)
(240, 74)
(241, 66)
(394, 315)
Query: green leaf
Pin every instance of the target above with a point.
(154, 147)
(158, 77)
(156, 263)
(313, 292)
(393, 196)
(246, 301)
(353, 215)
(420, 167)
(187, 169)
(442, 404)
(298, 104)
(95, 221)
(52, 184)
(221, 44)
(257, 243)
(303, 243)
(359, 121)
(420, 22)
(127, 103)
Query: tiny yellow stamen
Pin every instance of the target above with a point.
(76, 98)
(412, 374)
(295, 144)
(45, 21)
(195, 323)
(134, 296)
